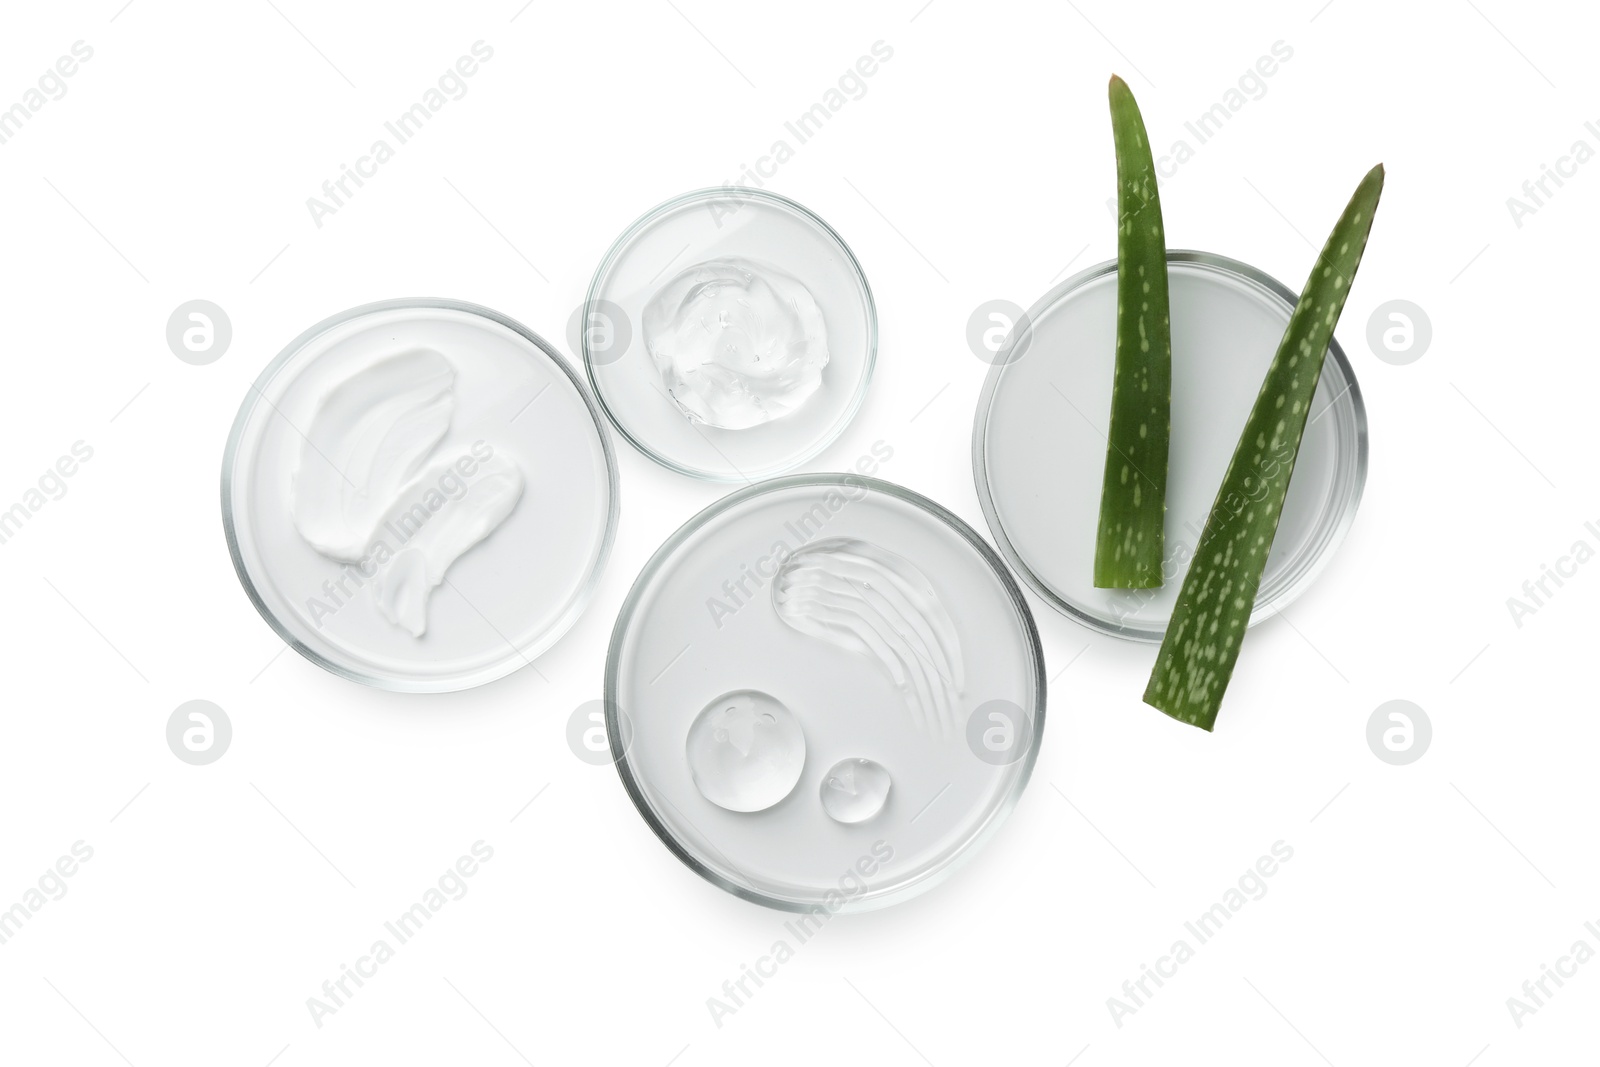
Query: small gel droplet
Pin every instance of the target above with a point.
(855, 790)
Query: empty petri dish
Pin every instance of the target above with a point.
(832, 691)
(729, 334)
(1039, 440)
(419, 495)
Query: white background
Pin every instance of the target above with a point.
(976, 166)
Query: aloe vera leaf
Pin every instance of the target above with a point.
(1202, 641)
(1131, 538)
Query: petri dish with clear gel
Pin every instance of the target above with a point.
(729, 334)
(824, 692)
(1039, 440)
(419, 495)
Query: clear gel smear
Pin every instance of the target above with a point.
(375, 489)
(737, 342)
(858, 596)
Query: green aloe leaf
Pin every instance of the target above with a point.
(1208, 625)
(1131, 539)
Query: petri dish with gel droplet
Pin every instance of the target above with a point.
(419, 495)
(832, 689)
(729, 334)
(1039, 439)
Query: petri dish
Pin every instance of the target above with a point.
(1039, 439)
(419, 495)
(729, 334)
(823, 692)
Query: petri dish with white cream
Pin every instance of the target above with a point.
(1039, 439)
(729, 334)
(824, 692)
(419, 495)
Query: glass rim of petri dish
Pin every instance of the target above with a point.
(1334, 522)
(641, 225)
(620, 731)
(256, 396)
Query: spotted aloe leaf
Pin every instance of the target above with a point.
(1130, 541)
(1208, 625)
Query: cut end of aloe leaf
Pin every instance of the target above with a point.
(1201, 645)
(1130, 541)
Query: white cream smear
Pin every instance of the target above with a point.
(857, 596)
(371, 490)
(737, 342)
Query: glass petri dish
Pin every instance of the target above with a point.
(823, 692)
(419, 495)
(1039, 439)
(663, 257)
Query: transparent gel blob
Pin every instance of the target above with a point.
(737, 342)
(855, 790)
(745, 751)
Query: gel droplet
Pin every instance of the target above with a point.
(737, 342)
(745, 751)
(855, 790)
